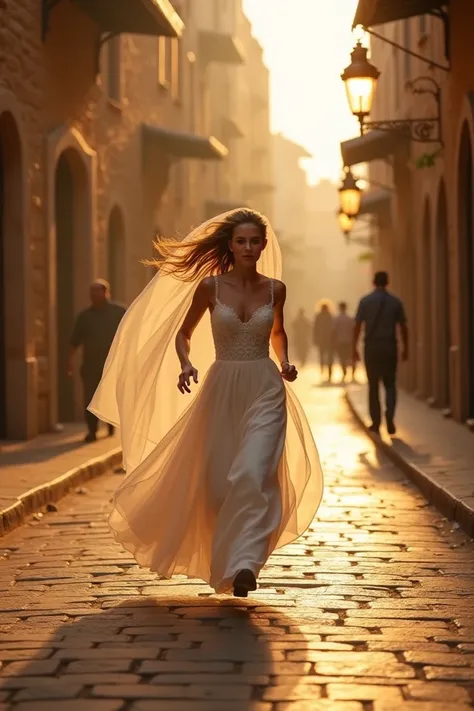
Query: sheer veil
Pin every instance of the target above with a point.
(138, 391)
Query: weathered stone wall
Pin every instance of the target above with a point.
(62, 102)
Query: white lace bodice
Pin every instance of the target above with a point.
(236, 340)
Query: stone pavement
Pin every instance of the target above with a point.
(41, 470)
(438, 454)
(371, 610)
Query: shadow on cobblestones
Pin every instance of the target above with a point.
(209, 650)
(370, 610)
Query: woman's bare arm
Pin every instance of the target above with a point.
(279, 338)
(201, 301)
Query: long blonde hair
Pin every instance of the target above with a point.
(209, 255)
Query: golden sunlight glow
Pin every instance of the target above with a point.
(346, 223)
(307, 43)
(350, 202)
(360, 78)
(350, 195)
(360, 94)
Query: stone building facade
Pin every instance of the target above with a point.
(104, 141)
(238, 90)
(424, 225)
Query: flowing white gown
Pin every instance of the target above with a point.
(221, 490)
(218, 479)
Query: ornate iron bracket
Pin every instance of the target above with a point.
(422, 130)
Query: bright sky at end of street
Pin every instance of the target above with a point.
(307, 44)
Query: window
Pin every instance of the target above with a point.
(114, 69)
(175, 69)
(163, 61)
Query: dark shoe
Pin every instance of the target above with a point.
(374, 429)
(90, 437)
(391, 429)
(244, 582)
(111, 430)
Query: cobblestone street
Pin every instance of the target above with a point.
(372, 610)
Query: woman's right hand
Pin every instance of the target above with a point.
(184, 381)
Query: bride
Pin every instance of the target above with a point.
(215, 485)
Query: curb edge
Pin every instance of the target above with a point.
(34, 499)
(446, 503)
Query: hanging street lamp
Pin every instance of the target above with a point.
(360, 78)
(349, 195)
(346, 223)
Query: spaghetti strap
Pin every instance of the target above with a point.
(272, 292)
(216, 284)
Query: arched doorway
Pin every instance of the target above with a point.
(65, 312)
(466, 235)
(70, 193)
(116, 255)
(441, 298)
(13, 395)
(427, 304)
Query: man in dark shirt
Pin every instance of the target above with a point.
(381, 313)
(94, 330)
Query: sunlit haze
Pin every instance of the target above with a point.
(307, 44)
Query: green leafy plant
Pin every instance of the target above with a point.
(427, 160)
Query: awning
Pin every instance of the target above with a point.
(220, 47)
(143, 17)
(374, 145)
(375, 202)
(377, 12)
(217, 208)
(183, 145)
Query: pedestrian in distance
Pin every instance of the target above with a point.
(323, 340)
(217, 480)
(382, 314)
(94, 331)
(302, 336)
(343, 333)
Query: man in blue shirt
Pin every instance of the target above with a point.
(381, 313)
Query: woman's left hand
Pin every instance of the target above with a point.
(288, 372)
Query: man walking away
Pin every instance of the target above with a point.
(94, 330)
(322, 339)
(381, 312)
(343, 332)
